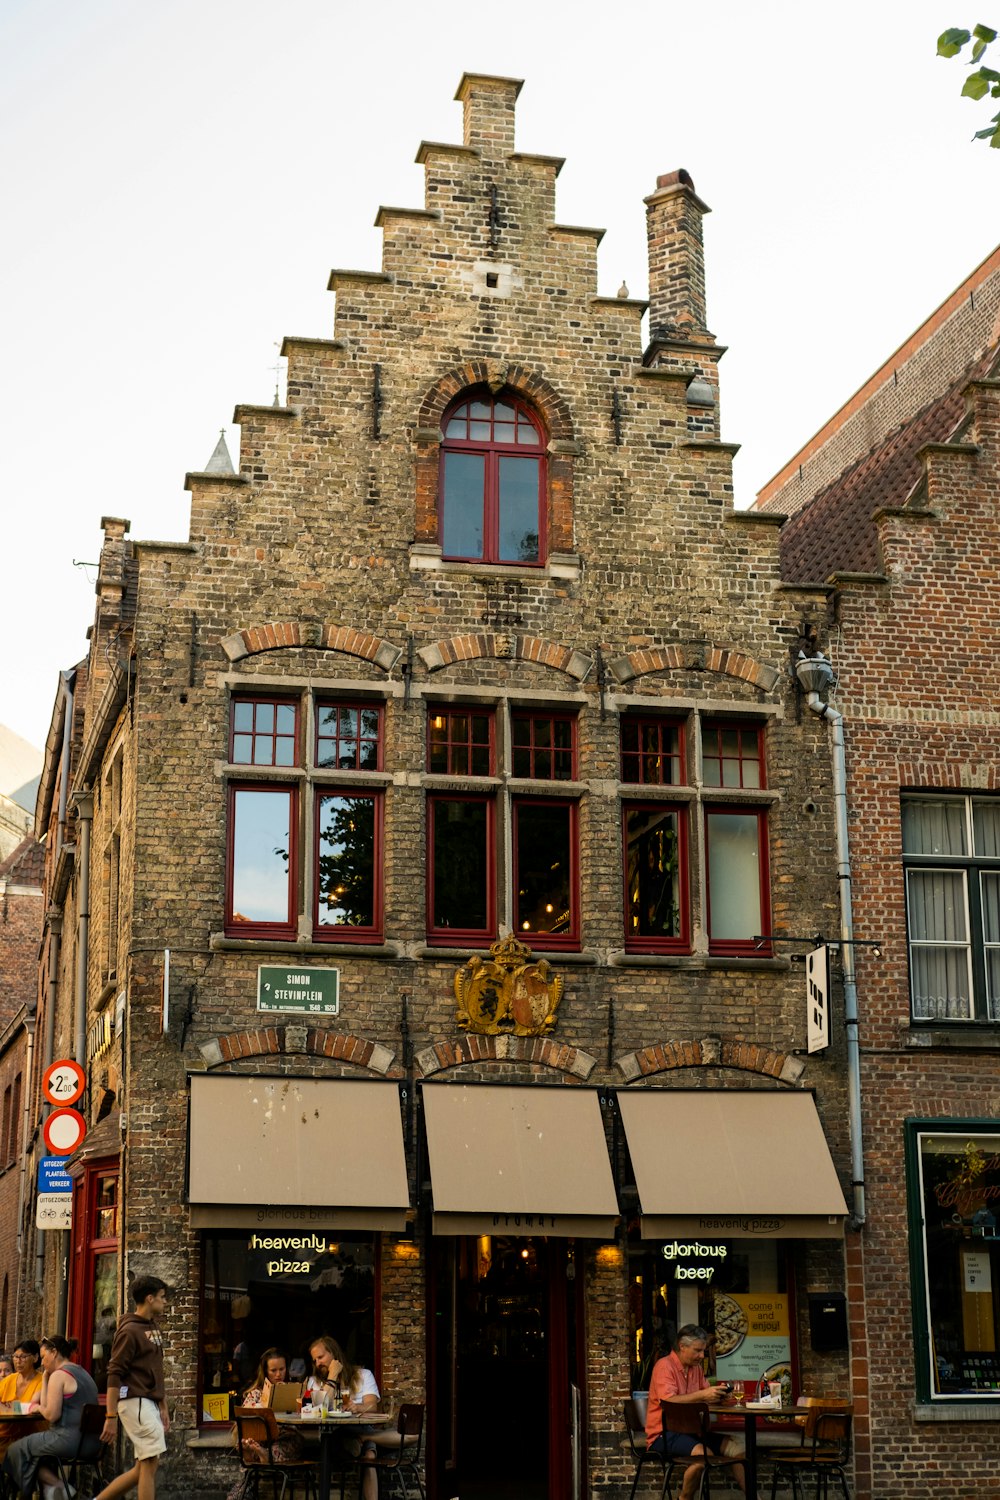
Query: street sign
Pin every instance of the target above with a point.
(314, 991)
(63, 1082)
(64, 1131)
(818, 998)
(53, 1176)
(54, 1211)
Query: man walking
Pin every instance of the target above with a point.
(136, 1392)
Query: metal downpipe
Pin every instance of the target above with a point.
(836, 723)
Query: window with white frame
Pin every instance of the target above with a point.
(951, 858)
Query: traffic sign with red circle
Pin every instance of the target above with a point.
(64, 1131)
(63, 1082)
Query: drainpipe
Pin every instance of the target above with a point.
(815, 674)
(54, 919)
(83, 803)
(29, 1048)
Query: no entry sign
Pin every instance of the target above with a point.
(64, 1131)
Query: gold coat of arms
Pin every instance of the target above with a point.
(507, 993)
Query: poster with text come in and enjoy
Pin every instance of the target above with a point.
(752, 1338)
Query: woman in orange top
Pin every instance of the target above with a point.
(24, 1385)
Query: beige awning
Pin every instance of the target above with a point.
(732, 1165)
(284, 1151)
(523, 1161)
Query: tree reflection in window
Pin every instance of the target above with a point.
(346, 860)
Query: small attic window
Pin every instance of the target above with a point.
(492, 279)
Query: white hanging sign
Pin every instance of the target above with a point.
(818, 998)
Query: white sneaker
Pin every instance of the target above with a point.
(58, 1491)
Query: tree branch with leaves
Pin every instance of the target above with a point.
(984, 80)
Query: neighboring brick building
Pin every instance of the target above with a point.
(897, 520)
(472, 645)
(20, 934)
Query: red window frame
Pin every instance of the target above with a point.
(570, 939)
(341, 706)
(360, 933)
(472, 937)
(257, 701)
(651, 943)
(458, 748)
(741, 947)
(288, 928)
(492, 451)
(746, 732)
(539, 754)
(634, 761)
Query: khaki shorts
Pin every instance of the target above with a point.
(140, 1417)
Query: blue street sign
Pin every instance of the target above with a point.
(52, 1175)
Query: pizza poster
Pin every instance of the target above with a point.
(752, 1336)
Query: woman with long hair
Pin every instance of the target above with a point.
(272, 1369)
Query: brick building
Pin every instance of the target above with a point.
(472, 653)
(20, 933)
(894, 513)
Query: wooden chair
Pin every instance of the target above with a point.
(91, 1454)
(694, 1419)
(824, 1452)
(635, 1431)
(397, 1454)
(257, 1437)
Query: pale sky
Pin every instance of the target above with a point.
(179, 178)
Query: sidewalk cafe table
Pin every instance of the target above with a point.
(328, 1430)
(751, 1415)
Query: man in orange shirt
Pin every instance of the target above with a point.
(680, 1379)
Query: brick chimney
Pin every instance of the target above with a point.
(676, 257)
(488, 113)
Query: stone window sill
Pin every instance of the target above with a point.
(986, 1410)
(425, 557)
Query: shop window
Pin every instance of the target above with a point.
(492, 481)
(340, 878)
(468, 829)
(954, 1185)
(257, 1295)
(738, 1290)
(951, 857)
(663, 867)
(95, 1285)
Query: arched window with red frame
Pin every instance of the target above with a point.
(493, 480)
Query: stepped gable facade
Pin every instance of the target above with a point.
(454, 819)
(905, 541)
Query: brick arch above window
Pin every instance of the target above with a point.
(461, 648)
(710, 1052)
(538, 1051)
(647, 659)
(311, 1041)
(551, 407)
(284, 635)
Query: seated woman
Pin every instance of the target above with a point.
(23, 1385)
(271, 1370)
(66, 1390)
